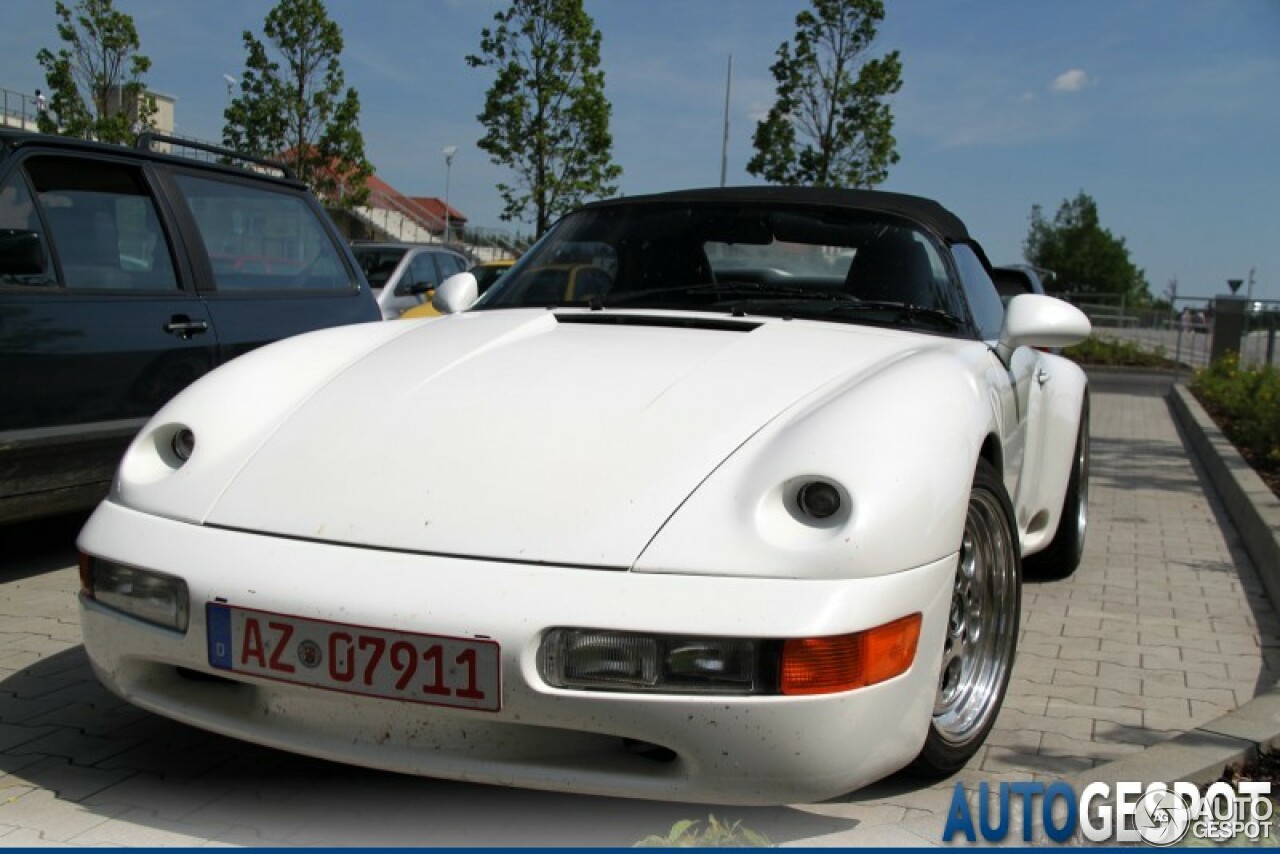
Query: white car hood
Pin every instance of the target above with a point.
(514, 435)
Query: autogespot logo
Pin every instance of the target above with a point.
(1162, 817)
(1157, 814)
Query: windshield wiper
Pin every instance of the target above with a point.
(915, 311)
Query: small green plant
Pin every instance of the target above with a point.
(690, 833)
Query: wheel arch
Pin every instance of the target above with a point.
(993, 453)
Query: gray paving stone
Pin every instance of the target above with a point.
(69, 781)
(52, 818)
(140, 827)
(73, 745)
(13, 736)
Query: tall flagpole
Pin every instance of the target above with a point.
(724, 146)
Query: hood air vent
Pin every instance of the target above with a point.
(716, 324)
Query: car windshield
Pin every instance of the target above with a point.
(820, 263)
(378, 262)
(487, 274)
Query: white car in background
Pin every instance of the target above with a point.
(744, 522)
(403, 275)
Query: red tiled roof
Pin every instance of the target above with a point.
(436, 208)
(429, 209)
(376, 184)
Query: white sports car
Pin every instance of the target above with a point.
(728, 499)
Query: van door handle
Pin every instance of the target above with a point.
(184, 327)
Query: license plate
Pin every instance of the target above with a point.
(432, 669)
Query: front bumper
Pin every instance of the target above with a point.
(727, 749)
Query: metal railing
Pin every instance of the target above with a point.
(401, 220)
(394, 224)
(1185, 333)
(18, 110)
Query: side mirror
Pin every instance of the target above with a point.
(456, 294)
(1034, 320)
(21, 253)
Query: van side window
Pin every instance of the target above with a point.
(103, 225)
(259, 239)
(24, 248)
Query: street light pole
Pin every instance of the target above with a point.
(448, 151)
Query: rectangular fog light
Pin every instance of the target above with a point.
(154, 597)
(576, 658)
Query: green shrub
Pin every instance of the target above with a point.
(1246, 402)
(1104, 351)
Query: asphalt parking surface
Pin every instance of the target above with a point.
(1164, 628)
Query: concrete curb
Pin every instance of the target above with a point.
(1250, 503)
(1201, 755)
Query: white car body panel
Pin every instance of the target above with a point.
(1058, 395)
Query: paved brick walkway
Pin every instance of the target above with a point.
(1163, 628)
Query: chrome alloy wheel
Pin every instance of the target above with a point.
(982, 625)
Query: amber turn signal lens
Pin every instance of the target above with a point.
(844, 662)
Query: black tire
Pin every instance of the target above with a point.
(982, 631)
(1060, 558)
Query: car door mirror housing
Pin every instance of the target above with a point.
(1034, 320)
(456, 293)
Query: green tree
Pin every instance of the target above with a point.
(95, 79)
(1085, 257)
(546, 116)
(830, 126)
(292, 105)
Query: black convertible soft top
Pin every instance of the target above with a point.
(924, 211)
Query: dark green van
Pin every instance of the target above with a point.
(125, 274)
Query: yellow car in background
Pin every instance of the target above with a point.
(552, 284)
(486, 274)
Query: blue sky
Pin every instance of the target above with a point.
(1166, 112)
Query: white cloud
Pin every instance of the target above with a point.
(1070, 81)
